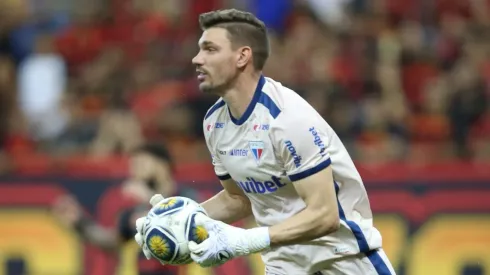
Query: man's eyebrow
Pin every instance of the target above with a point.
(207, 43)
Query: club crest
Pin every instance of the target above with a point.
(257, 149)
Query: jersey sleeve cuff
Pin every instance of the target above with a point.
(309, 172)
(224, 177)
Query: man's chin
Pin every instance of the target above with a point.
(205, 87)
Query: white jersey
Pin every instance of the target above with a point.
(281, 139)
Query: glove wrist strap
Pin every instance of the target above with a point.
(258, 239)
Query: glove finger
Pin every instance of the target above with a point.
(201, 219)
(209, 224)
(140, 222)
(204, 245)
(147, 252)
(210, 227)
(196, 258)
(197, 249)
(139, 239)
(192, 246)
(156, 199)
(212, 230)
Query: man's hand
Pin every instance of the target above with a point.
(67, 210)
(226, 242)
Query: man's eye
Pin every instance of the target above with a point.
(210, 49)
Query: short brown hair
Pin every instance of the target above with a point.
(244, 29)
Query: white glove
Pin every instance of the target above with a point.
(225, 242)
(141, 224)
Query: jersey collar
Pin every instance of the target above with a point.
(251, 106)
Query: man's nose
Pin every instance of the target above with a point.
(197, 60)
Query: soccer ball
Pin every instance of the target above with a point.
(171, 224)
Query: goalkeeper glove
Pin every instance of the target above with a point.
(226, 242)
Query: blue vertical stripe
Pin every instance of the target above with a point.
(378, 262)
(360, 238)
(372, 255)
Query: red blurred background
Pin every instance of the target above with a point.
(405, 84)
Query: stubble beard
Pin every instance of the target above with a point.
(219, 89)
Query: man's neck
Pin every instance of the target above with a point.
(240, 96)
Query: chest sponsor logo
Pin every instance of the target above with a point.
(217, 125)
(239, 152)
(297, 158)
(318, 141)
(257, 149)
(253, 186)
(260, 127)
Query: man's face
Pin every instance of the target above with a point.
(216, 60)
(146, 169)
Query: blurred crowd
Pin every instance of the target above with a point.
(398, 80)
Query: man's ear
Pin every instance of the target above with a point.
(244, 56)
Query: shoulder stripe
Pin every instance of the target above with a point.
(214, 108)
(269, 104)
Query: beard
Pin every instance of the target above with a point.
(207, 88)
(219, 88)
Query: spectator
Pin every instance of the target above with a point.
(467, 104)
(42, 83)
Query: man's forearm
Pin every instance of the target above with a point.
(309, 224)
(304, 226)
(98, 235)
(227, 208)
